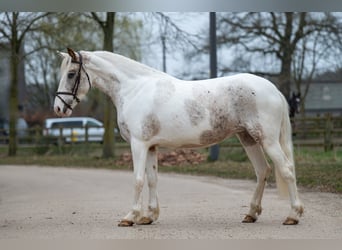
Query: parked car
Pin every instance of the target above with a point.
(21, 127)
(73, 129)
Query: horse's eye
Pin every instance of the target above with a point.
(71, 75)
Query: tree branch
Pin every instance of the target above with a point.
(29, 25)
(98, 20)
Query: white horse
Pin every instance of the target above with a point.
(157, 110)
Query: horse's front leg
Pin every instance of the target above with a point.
(139, 154)
(152, 179)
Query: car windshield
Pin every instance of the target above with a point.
(67, 124)
(92, 124)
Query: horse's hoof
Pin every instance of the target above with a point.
(145, 221)
(126, 223)
(290, 221)
(249, 219)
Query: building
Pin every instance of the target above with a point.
(324, 97)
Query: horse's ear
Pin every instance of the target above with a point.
(72, 54)
(61, 54)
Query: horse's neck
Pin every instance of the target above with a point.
(117, 76)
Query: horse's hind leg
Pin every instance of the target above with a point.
(285, 167)
(262, 170)
(152, 179)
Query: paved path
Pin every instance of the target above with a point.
(47, 202)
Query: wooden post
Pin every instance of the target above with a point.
(328, 144)
(60, 140)
(86, 134)
(37, 136)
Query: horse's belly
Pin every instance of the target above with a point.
(203, 138)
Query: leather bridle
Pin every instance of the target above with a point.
(74, 90)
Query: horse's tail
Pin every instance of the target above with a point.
(287, 147)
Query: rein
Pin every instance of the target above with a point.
(74, 90)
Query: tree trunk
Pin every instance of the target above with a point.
(287, 49)
(13, 97)
(285, 75)
(109, 109)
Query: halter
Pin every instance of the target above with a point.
(74, 90)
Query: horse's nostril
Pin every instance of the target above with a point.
(57, 110)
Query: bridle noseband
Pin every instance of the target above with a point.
(74, 90)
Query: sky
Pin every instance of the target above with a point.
(198, 22)
(178, 66)
(191, 22)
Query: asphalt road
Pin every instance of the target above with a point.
(54, 203)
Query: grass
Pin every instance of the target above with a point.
(315, 169)
(319, 170)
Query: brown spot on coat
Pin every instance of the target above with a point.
(213, 136)
(150, 126)
(222, 121)
(232, 110)
(246, 139)
(195, 111)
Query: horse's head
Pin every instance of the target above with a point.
(74, 83)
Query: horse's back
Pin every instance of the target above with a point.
(252, 81)
(240, 80)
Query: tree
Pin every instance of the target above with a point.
(107, 26)
(277, 34)
(164, 30)
(171, 35)
(302, 74)
(311, 52)
(14, 27)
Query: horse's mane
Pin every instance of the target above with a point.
(128, 64)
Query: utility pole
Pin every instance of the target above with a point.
(213, 150)
(163, 40)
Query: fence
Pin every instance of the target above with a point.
(324, 132)
(321, 132)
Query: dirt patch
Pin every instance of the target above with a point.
(177, 157)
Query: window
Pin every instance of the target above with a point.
(92, 124)
(69, 124)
